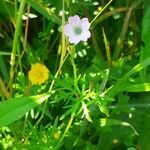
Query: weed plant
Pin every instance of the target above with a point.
(74, 74)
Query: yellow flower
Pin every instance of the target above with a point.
(38, 73)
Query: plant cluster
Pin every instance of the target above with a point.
(74, 74)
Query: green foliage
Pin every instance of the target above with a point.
(145, 53)
(7, 10)
(43, 10)
(97, 92)
(15, 108)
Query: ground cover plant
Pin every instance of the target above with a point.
(74, 74)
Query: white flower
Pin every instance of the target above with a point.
(77, 29)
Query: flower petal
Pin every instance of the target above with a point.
(74, 20)
(68, 30)
(74, 39)
(85, 23)
(85, 36)
(77, 29)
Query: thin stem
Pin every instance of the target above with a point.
(72, 50)
(101, 11)
(16, 9)
(24, 39)
(63, 48)
(50, 89)
(66, 130)
(15, 44)
(75, 75)
(108, 14)
(26, 27)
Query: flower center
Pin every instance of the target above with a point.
(77, 30)
(39, 74)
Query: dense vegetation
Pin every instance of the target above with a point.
(74, 74)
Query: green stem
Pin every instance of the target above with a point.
(101, 11)
(63, 48)
(75, 74)
(15, 43)
(50, 89)
(66, 130)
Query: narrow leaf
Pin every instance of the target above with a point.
(145, 50)
(114, 122)
(44, 11)
(120, 84)
(13, 109)
(144, 87)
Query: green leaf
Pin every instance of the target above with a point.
(145, 50)
(3, 69)
(120, 84)
(7, 9)
(5, 53)
(44, 11)
(86, 112)
(112, 122)
(13, 109)
(105, 79)
(144, 87)
(131, 148)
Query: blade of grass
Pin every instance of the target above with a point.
(5, 53)
(145, 50)
(66, 130)
(96, 46)
(13, 109)
(121, 39)
(15, 44)
(143, 87)
(101, 11)
(63, 48)
(120, 84)
(44, 11)
(108, 14)
(7, 8)
(107, 47)
(114, 122)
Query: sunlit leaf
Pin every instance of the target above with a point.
(13, 109)
(144, 87)
(114, 122)
(86, 112)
